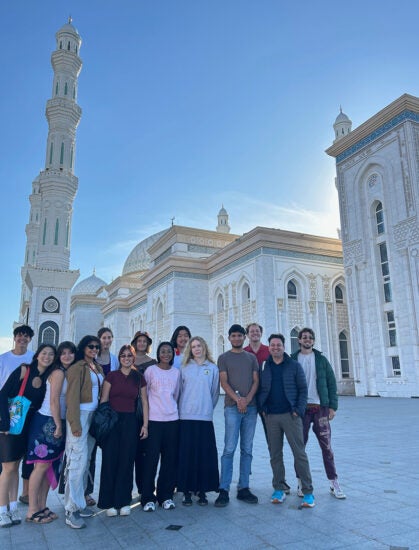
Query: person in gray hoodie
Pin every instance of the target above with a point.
(199, 392)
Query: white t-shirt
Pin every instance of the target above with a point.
(308, 362)
(92, 406)
(9, 362)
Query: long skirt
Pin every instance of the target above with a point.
(44, 447)
(198, 458)
(118, 454)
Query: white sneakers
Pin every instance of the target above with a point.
(5, 519)
(149, 507)
(335, 489)
(124, 511)
(168, 504)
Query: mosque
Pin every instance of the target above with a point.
(359, 294)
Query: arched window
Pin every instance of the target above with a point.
(71, 158)
(294, 340)
(51, 150)
(44, 234)
(291, 290)
(338, 294)
(379, 217)
(68, 46)
(220, 303)
(74, 92)
(245, 293)
(56, 89)
(57, 227)
(344, 355)
(220, 345)
(61, 44)
(48, 333)
(62, 154)
(65, 88)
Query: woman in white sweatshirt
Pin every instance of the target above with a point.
(199, 392)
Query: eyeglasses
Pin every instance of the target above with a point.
(93, 346)
(127, 356)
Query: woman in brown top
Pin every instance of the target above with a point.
(84, 385)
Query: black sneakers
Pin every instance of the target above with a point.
(246, 496)
(222, 500)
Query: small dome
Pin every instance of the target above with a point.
(68, 28)
(222, 212)
(90, 285)
(139, 259)
(342, 118)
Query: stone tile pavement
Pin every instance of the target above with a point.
(376, 445)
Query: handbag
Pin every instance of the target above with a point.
(103, 421)
(19, 407)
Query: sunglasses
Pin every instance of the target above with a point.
(128, 356)
(93, 346)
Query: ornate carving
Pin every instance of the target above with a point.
(326, 288)
(406, 232)
(312, 286)
(280, 303)
(352, 251)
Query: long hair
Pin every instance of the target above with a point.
(63, 346)
(34, 362)
(188, 356)
(83, 343)
(176, 334)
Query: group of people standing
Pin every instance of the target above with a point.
(164, 414)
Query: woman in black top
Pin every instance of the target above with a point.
(13, 447)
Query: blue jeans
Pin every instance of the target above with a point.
(243, 424)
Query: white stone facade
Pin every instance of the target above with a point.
(377, 178)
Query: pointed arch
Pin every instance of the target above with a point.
(344, 355)
(66, 89)
(295, 346)
(48, 333)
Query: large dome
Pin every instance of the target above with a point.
(139, 259)
(90, 285)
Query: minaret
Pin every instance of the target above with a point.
(342, 126)
(46, 278)
(223, 226)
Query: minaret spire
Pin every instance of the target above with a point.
(53, 191)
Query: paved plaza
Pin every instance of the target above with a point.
(376, 444)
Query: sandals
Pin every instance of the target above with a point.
(38, 517)
(90, 501)
(49, 513)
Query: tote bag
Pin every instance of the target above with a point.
(19, 407)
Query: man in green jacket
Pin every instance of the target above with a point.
(322, 403)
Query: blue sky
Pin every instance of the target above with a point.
(190, 104)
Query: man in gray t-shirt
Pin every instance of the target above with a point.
(239, 378)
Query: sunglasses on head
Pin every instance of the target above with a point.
(93, 346)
